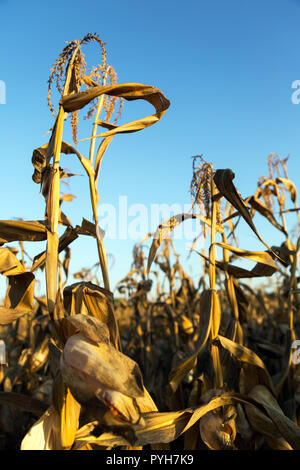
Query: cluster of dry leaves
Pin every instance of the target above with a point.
(206, 366)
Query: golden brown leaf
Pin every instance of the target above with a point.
(206, 318)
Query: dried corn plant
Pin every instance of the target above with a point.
(57, 348)
(166, 362)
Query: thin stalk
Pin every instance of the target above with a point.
(214, 350)
(93, 191)
(95, 125)
(293, 282)
(100, 246)
(232, 295)
(53, 209)
(53, 216)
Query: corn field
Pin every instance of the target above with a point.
(206, 365)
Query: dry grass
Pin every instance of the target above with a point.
(199, 366)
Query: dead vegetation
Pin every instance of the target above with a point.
(212, 365)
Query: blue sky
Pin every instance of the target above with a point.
(227, 68)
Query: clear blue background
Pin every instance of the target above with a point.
(226, 66)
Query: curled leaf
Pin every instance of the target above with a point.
(129, 91)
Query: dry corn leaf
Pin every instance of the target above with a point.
(280, 378)
(44, 434)
(262, 423)
(278, 443)
(145, 403)
(64, 241)
(285, 252)
(19, 298)
(243, 354)
(223, 180)
(9, 315)
(236, 294)
(9, 263)
(85, 297)
(167, 426)
(260, 207)
(216, 314)
(23, 402)
(20, 291)
(63, 220)
(66, 261)
(67, 197)
(186, 325)
(54, 358)
(69, 419)
(158, 428)
(214, 349)
(206, 319)
(87, 228)
(67, 408)
(240, 273)
(289, 186)
(261, 257)
(100, 153)
(40, 356)
(249, 377)
(191, 436)
(243, 426)
(288, 430)
(264, 267)
(129, 91)
(25, 230)
(107, 440)
(39, 160)
(51, 269)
